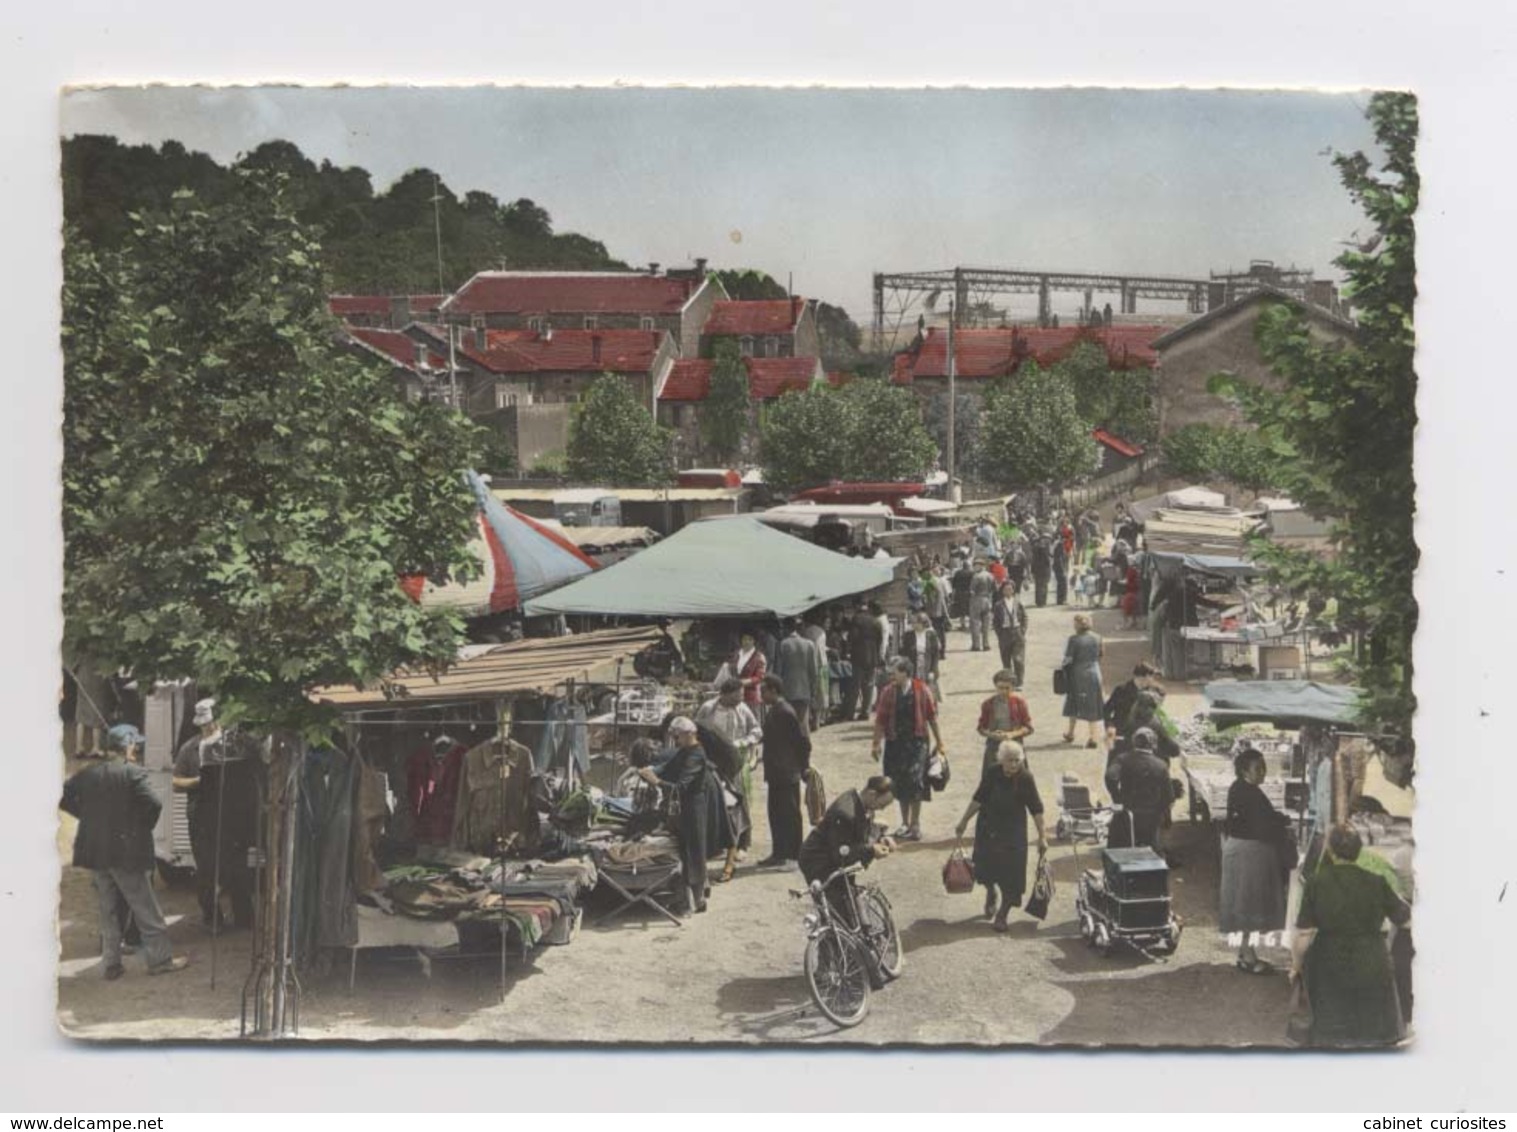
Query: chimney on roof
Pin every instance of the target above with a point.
(653, 269)
(400, 311)
(595, 349)
(700, 265)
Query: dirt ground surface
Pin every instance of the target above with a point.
(734, 975)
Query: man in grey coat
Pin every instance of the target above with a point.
(799, 667)
(117, 809)
(982, 589)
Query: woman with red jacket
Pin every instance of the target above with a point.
(903, 718)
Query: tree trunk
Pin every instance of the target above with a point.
(271, 995)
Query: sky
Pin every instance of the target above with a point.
(827, 187)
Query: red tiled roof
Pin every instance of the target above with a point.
(768, 316)
(555, 292)
(529, 351)
(344, 306)
(769, 377)
(690, 378)
(994, 353)
(396, 346)
(1117, 444)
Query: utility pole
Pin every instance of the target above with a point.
(953, 494)
(437, 228)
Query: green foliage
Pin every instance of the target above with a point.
(1192, 451)
(749, 285)
(967, 431)
(724, 416)
(1345, 423)
(550, 466)
(240, 492)
(840, 337)
(1034, 433)
(1244, 456)
(372, 243)
(614, 441)
(866, 431)
(497, 454)
(1120, 401)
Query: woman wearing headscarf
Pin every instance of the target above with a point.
(903, 718)
(701, 827)
(1253, 885)
(1007, 794)
(1083, 696)
(1340, 952)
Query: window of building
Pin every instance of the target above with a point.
(745, 346)
(504, 397)
(590, 323)
(534, 323)
(477, 321)
(646, 323)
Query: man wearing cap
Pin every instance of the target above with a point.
(216, 775)
(117, 809)
(1138, 781)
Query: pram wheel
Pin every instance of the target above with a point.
(1060, 830)
(1102, 940)
(1087, 927)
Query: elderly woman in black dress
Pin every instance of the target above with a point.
(1253, 882)
(1007, 794)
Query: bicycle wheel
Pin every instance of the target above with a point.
(837, 979)
(880, 925)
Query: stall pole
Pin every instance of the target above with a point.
(503, 716)
(216, 923)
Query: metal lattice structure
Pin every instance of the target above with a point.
(900, 295)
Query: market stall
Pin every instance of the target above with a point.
(459, 800)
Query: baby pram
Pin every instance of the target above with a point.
(1079, 817)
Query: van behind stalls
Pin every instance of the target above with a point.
(588, 507)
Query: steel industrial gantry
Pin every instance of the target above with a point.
(897, 295)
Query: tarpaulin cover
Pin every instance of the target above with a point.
(1211, 563)
(521, 558)
(738, 567)
(1185, 497)
(1284, 703)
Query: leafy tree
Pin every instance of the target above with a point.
(749, 285)
(804, 438)
(967, 433)
(724, 416)
(1345, 420)
(497, 453)
(614, 440)
(840, 338)
(1120, 401)
(1192, 451)
(865, 431)
(886, 438)
(240, 492)
(1034, 433)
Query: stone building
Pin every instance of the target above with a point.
(688, 383)
(1222, 342)
(387, 312)
(767, 328)
(678, 302)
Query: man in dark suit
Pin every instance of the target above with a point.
(787, 757)
(1138, 780)
(866, 641)
(117, 809)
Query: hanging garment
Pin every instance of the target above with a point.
(432, 791)
(564, 739)
(372, 809)
(494, 811)
(324, 902)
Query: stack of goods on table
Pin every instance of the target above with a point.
(536, 901)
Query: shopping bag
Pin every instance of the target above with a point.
(938, 773)
(1061, 681)
(1298, 1018)
(958, 873)
(1042, 891)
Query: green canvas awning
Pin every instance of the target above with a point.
(1284, 703)
(736, 567)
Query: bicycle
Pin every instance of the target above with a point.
(843, 962)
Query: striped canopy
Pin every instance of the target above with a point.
(521, 558)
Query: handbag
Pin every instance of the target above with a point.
(1061, 680)
(1298, 1018)
(1042, 891)
(938, 772)
(958, 873)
